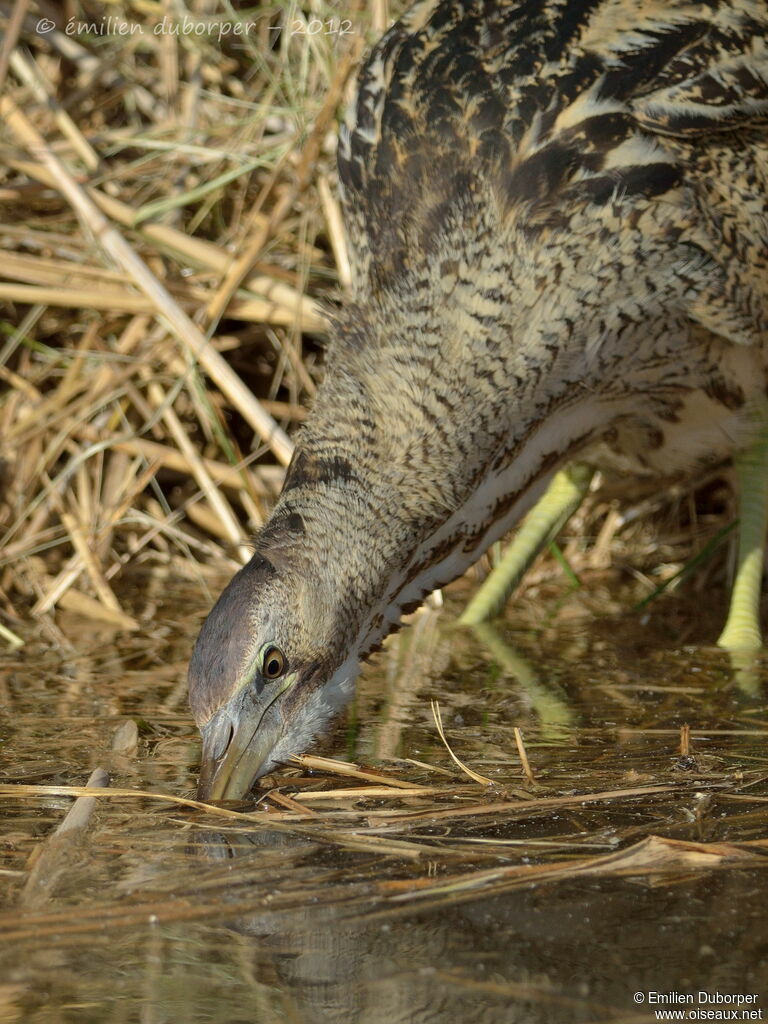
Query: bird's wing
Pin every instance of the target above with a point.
(718, 83)
(551, 101)
(710, 107)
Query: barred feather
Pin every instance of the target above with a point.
(553, 104)
(559, 216)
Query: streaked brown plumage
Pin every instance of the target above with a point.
(558, 215)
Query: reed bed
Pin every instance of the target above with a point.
(168, 221)
(170, 236)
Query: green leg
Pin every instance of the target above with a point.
(543, 522)
(742, 630)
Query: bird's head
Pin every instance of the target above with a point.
(270, 669)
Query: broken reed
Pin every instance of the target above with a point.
(385, 816)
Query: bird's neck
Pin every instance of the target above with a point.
(430, 437)
(455, 389)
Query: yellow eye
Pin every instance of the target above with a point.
(274, 663)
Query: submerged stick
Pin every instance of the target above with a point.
(49, 861)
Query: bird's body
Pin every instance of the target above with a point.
(558, 215)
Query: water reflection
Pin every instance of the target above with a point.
(160, 914)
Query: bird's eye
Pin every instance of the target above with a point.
(274, 663)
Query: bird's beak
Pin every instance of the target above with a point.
(236, 754)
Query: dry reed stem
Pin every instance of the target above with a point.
(264, 481)
(653, 855)
(115, 246)
(290, 804)
(12, 32)
(30, 75)
(530, 806)
(242, 266)
(627, 730)
(428, 767)
(274, 301)
(336, 234)
(370, 793)
(121, 300)
(312, 762)
(12, 639)
(467, 771)
(527, 770)
(201, 253)
(58, 587)
(685, 740)
(76, 601)
(232, 530)
(403, 817)
(80, 544)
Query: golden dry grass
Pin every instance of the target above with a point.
(168, 216)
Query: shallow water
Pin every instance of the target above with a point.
(376, 910)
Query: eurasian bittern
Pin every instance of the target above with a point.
(558, 215)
